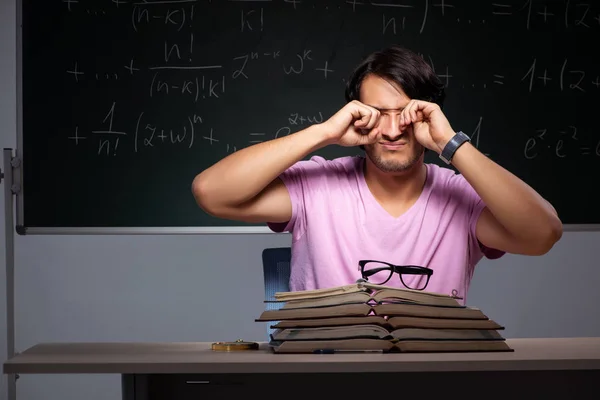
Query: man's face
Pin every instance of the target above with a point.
(397, 150)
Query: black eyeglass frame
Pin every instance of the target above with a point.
(399, 269)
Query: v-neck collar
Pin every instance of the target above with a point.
(368, 195)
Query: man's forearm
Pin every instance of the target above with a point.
(514, 204)
(242, 175)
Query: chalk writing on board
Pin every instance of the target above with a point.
(390, 24)
(295, 67)
(180, 13)
(565, 78)
(173, 50)
(194, 86)
(108, 140)
(397, 6)
(107, 123)
(130, 67)
(202, 86)
(252, 22)
(150, 134)
(561, 144)
(147, 133)
(78, 74)
(210, 138)
(299, 119)
(76, 138)
(186, 132)
(283, 131)
(257, 137)
(298, 66)
(175, 17)
(175, 67)
(325, 69)
(296, 121)
(75, 72)
(108, 146)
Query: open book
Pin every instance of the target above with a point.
(369, 337)
(366, 331)
(362, 292)
(363, 310)
(388, 323)
(389, 346)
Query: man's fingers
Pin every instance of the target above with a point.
(365, 117)
(371, 137)
(374, 117)
(370, 115)
(359, 113)
(415, 111)
(412, 111)
(358, 116)
(405, 115)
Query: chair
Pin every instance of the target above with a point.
(276, 271)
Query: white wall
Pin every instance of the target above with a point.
(208, 288)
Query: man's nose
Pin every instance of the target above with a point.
(390, 127)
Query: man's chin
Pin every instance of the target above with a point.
(392, 161)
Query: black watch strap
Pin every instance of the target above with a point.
(451, 147)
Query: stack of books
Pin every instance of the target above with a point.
(368, 317)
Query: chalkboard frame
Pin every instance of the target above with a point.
(20, 189)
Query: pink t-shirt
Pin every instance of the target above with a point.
(336, 222)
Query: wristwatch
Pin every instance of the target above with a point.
(458, 140)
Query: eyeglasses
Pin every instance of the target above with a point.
(380, 272)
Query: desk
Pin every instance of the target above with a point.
(538, 368)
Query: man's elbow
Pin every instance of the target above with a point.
(549, 235)
(204, 197)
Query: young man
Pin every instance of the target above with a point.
(388, 205)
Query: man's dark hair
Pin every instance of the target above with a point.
(402, 66)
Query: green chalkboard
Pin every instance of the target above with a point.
(123, 103)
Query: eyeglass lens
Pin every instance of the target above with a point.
(380, 273)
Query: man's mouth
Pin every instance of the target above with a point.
(393, 145)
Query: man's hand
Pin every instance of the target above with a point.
(431, 128)
(353, 125)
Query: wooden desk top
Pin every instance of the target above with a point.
(128, 358)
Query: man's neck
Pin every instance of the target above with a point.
(402, 188)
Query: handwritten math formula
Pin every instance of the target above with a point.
(190, 62)
(561, 143)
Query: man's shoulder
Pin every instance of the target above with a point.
(342, 165)
(445, 177)
(448, 184)
(441, 171)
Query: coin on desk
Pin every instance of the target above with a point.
(234, 346)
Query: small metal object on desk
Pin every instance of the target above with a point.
(234, 346)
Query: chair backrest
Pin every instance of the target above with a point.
(276, 271)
